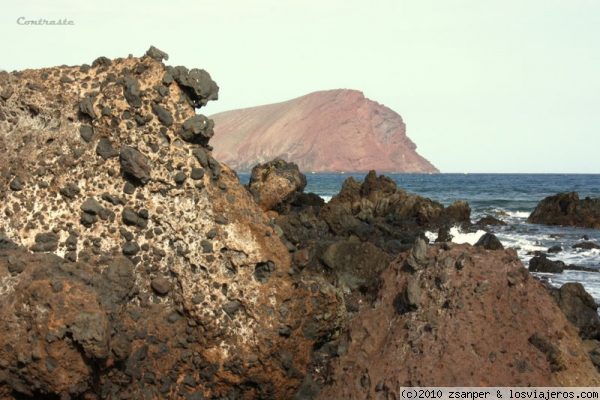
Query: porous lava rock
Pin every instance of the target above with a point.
(140, 286)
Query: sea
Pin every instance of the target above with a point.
(509, 197)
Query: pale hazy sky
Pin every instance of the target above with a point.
(483, 86)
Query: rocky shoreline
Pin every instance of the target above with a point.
(134, 265)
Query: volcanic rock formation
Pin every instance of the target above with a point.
(568, 210)
(335, 130)
(133, 264)
(458, 315)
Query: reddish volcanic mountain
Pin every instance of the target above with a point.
(334, 130)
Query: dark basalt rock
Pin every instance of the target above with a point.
(91, 206)
(114, 200)
(580, 308)
(232, 307)
(207, 246)
(88, 219)
(161, 286)
(197, 129)
(105, 149)
(131, 91)
(101, 62)
(130, 217)
(6, 243)
(197, 173)
(131, 248)
(568, 210)
(263, 271)
(86, 132)
(489, 241)
(408, 299)
(164, 116)
(134, 164)
(16, 184)
(196, 84)
(541, 263)
(157, 54)
(489, 220)
(45, 242)
(86, 107)
(586, 246)
(555, 249)
(180, 177)
(128, 188)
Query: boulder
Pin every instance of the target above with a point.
(489, 220)
(489, 241)
(274, 182)
(165, 290)
(541, 263)
(580, 308)
(196, 84)
(157, 54)
(555, 249)
(197, 129)
(568, 210)
(586, 245)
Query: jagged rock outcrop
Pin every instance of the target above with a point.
(334, 130)
(141, 267)
(568, 210)
(465, 316)
(353, 237)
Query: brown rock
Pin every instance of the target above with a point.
(161, 286)
(274, 182)
(449, 327)
(91, 327)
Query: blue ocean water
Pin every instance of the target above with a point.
(510, 197)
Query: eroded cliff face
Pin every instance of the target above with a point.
(335, 130)
(133, 263)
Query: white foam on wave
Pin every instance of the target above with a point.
(523, 243)
(326, 198)
(458, 236)
(431, 236)
(518, 214)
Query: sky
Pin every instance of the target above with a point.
(483, 86)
